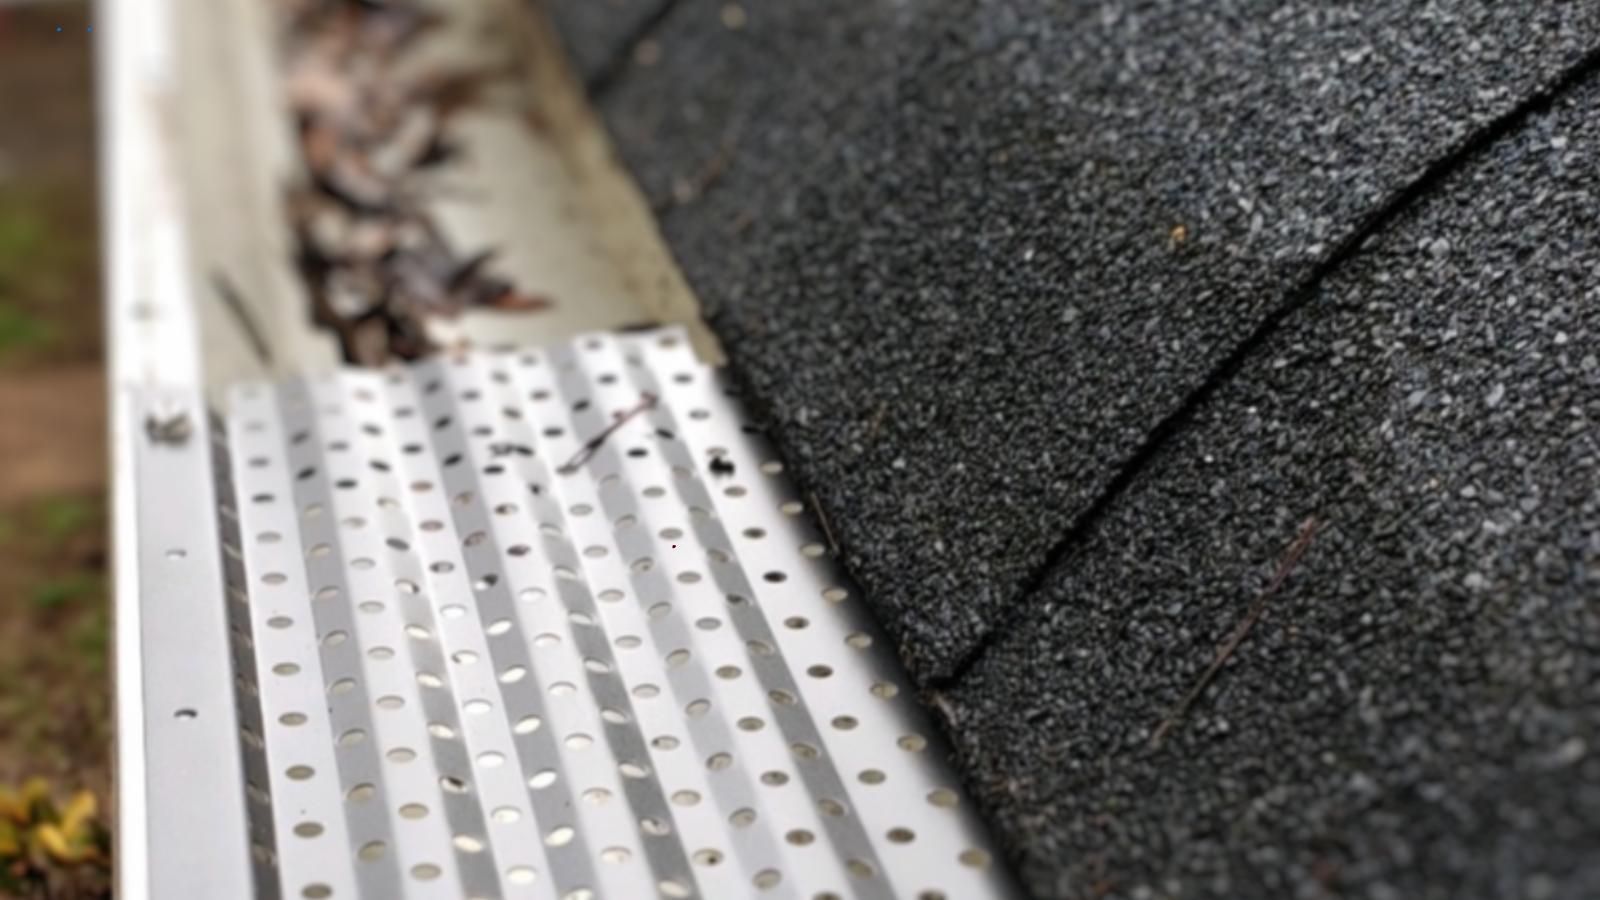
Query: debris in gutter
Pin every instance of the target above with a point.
(168, 427)
(877, 422)
(508, 449)
(637, 327)
(687, 190)
(646, 403)
(374, 262)
(1290, 558)
(721, 465)
(822, 519)
(234, 302)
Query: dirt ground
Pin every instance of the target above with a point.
(55, 707)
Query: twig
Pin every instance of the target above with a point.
(877, 422)
(586, 452)
(234, 302)
(1285, 566)
(712, 171)
(687, 190)
(822, 519)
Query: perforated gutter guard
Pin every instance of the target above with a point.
(519, 623)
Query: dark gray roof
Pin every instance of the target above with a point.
(942, 241)
(1071, 314)
(1416, 714)
(601, 34)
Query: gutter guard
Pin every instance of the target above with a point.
(514, 633)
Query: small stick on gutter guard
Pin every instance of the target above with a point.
(646, 403)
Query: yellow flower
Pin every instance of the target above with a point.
(36, 798)
(61, 848)
(79, 813)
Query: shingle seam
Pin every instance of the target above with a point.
(611, 71)
(1471, 146)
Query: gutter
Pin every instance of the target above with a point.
(705, 679)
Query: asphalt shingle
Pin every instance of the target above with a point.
(1417, 713)
(599, 34)
(967, 255)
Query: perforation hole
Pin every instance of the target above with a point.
(860, 868)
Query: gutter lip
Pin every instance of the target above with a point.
(181, 822)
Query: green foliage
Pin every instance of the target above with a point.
(20, 331)
(23, 232)
(43, 258)
(59, 592)
(62, 517)
(91, 638)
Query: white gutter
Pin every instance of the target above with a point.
(181, 830)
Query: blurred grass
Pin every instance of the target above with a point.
(53, 553)
(55, 698)
(62, 517)
(24, 235)
(19, 330)
(48, 258)
(57, 593)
